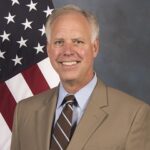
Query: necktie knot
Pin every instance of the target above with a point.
(69, 99)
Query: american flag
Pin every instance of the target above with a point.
(25, 69)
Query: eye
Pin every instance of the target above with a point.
(59, 42)
(78, 42)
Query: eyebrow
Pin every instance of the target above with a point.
(58, 39)
(78, 38)
(73, 39)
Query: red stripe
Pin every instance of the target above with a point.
(35, 79)
(7, 104)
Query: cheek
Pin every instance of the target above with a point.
(87, 54)
(84, 53)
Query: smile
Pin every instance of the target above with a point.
(69, 63)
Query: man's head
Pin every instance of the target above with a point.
(73, 44)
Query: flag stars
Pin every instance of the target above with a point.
(32, 6)
(5, 36)
(22, 42)
(48, 11)
(17, 60)
(39, 48)
(10, 18)
(2, 54)
(42, 30)
(15, 2)
(27, 24)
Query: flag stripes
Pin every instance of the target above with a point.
(35, 79)
(5, 135)
(7, 104)
(49, 73)
(18, 87)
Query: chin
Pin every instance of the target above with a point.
(69, 77)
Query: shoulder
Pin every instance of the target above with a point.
(121, 97)
(124, 107)
(126, 102)
(37, 101)
(122, 100)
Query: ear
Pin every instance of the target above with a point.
(96, 44)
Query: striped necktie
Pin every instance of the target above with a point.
(62, 131)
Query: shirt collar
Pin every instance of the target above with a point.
(82, 96)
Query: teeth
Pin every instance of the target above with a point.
(69, 63)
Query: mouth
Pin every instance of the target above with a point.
(69, 63)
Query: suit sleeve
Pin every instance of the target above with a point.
(139, 135)
(15, 132)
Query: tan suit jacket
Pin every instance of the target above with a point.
(112, 120)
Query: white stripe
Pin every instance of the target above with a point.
(69, 101)
(57, 142)
(66, 119)
(63, 132)
(70, 107)
(18, 87)
(5, 135)
(49, 73)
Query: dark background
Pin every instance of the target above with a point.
(124, 58)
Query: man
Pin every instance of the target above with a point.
(102, 118)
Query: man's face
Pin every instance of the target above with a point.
(71, 50)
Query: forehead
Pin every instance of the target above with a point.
(71, 21)
(71, 17)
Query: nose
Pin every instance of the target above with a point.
(68, 49)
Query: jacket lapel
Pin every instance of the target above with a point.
(93, 117)
(45, 121)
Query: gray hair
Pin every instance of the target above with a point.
(66, 9)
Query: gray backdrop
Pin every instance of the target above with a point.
(123, 61)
